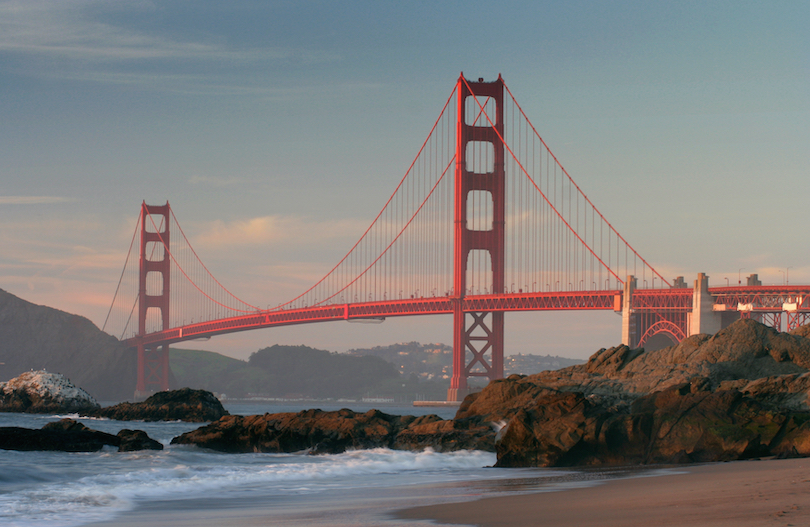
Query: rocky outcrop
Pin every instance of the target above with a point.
(745, 350)
(68, 435)
(682, 424)
(43, 392)
(196, 406)
(319, 432)
(134, 440)
(739, 394)
(39, 337)
(430, 431)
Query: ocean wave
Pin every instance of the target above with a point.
(118, 482)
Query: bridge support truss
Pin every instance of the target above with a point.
(480, 169)
(154, 271)
(650, 312)
(796, 319)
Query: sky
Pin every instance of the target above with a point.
(277, 131)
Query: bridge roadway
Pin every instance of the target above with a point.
(579, 300)
(751, 299)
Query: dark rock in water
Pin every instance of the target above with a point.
(314, 430)
(133, 440)
(44, 392)
(68, 435)
(322, 432)
(194, 406)
(430, 431)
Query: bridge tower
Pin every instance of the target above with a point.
(479, 169)
(154, 266)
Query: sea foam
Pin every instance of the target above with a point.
(118, 482)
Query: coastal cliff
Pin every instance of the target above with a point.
(34, 337)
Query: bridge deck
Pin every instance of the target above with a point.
(754, 298)
(573, 300)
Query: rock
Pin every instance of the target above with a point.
(744, 350)
(194, 406)
(682, 424)
(132, 440)
(321, 432)
(741, 393)
(611, 360)
(43, 392)
(782, 391)
(430, 431)
(555, 428)
(741, 353)
(501, 399)
(314, 430)
(68, 435)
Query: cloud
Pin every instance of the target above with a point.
(64, 246)
(87, 33)
(276, 229)
(33, 200)
(66, 29)
(70, 262)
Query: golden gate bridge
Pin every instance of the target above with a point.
(485, 220)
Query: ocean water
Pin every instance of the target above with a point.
(185, 485)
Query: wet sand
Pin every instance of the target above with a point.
(739, 494)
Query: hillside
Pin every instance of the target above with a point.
(288, 371)
(34, 337)
(435, 361)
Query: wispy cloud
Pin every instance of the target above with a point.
(68, 29)
(71, 263)
(267, 230)
(33, 200)
(90, 44)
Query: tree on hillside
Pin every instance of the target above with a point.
(301, 370)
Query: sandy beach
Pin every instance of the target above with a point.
(742, 493)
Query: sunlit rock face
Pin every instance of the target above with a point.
(738, 394)
(44, 392)
(320, 432)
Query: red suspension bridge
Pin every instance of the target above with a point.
(484, 221)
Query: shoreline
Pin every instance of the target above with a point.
(739, 493)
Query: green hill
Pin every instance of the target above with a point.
(284, 371)
(34, 337)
